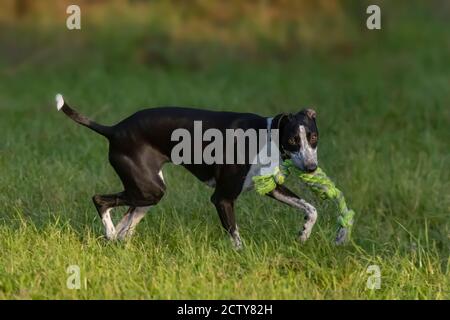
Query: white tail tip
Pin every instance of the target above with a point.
(59, 101)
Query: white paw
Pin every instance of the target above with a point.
(122, 235)
(111, 234)
(304, 235)
(125, 233)
(236, 239)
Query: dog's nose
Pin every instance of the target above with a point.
(311, 167)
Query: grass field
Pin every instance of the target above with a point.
(383, 116)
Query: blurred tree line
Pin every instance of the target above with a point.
(159, 30)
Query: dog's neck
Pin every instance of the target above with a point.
(275, 123)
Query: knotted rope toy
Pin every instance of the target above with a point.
(318, 182)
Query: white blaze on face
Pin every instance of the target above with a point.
(307, 155)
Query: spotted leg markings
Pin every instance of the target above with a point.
(308, 209)
(310, 220)
(110, 230)
(127, 225)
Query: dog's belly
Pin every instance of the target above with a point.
(204, 173)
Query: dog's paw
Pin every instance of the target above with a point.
(110, 237)
(342, 236)
(110, 234)
(303, 236)
(236, 240)
(122, 236)
(238, 246)
(125, 233)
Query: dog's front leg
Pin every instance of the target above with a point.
(225, 209)
(286, 196)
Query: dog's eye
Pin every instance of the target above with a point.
(313, 138)
(292, 141)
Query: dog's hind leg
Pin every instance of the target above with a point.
(286, 196)
(138, 208)
(140, 201)
(104, 205)
(125, 228)
(143, 182)
(125, 219)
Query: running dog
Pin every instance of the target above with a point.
(141, 144)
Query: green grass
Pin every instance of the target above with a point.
(383, 116)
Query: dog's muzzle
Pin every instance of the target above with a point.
(305, 162)
(306, 158)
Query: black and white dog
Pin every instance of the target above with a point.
(141, 144)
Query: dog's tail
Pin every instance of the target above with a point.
(81, 119)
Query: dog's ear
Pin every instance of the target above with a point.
(310, 113)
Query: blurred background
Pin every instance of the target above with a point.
(196, 34)
(383, 104)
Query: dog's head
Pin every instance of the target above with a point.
(299, 138)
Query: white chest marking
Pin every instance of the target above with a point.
(258, 168)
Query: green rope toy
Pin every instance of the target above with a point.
(317, 181)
